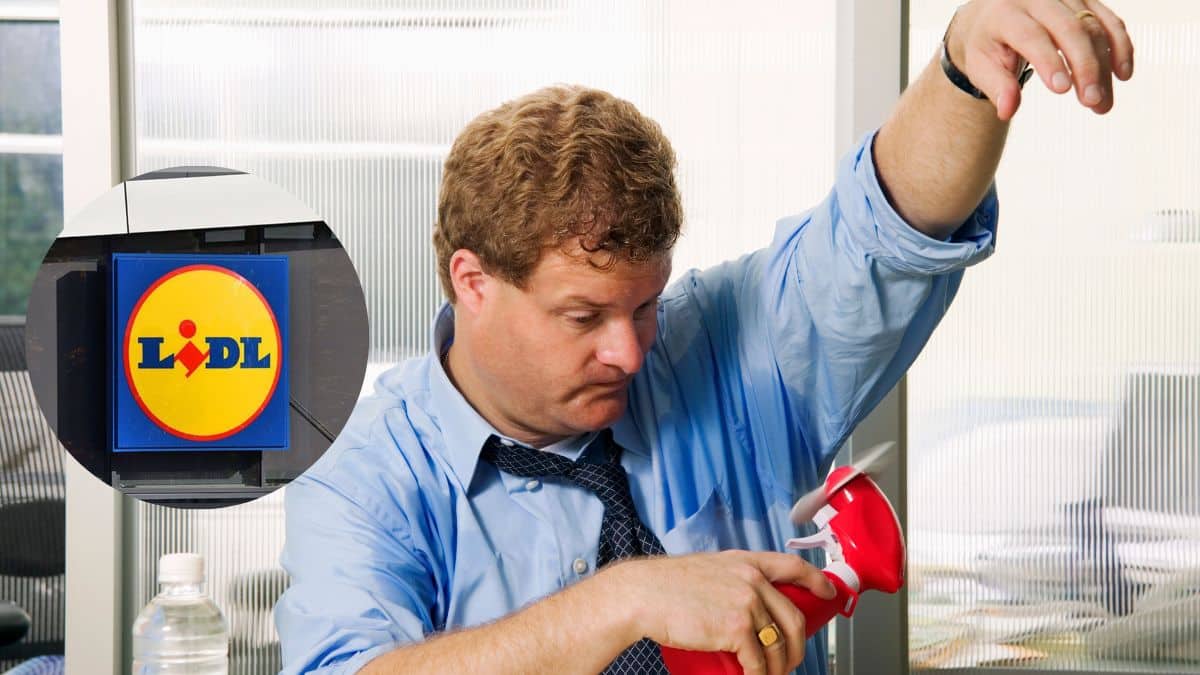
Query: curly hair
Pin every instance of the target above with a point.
(561, 165)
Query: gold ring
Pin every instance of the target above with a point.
(1083, 14)
(769, 635)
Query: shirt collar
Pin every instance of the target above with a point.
(464, 430)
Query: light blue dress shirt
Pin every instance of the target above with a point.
(761, 368)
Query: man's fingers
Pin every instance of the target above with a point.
(767, 607)
(790, 646)
(776, 654)
(996, 81)
(1121, 58)
(791, 568)
(1100, 40)
(750, 654)
(1074, 38)
(1103, 55)
(1030, 40)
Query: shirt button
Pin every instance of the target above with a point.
(533, 485)
(507, 442)
(580, 566)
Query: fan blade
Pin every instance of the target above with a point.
(807, 506)
(873, 462)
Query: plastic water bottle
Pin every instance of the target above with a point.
(181, 630)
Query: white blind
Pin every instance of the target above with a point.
(353, 109)
(1054, 418)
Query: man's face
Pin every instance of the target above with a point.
(556, 357)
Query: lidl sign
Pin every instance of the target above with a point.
(199, 347)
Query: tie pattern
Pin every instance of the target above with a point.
(622, 533)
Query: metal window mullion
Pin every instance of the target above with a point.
(871, 62)
(94, 622)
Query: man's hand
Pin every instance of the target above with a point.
(988, 39)
(719, 602)
(938, 151)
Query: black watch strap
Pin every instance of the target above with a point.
(958, 77)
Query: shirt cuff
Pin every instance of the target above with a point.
(885, 235)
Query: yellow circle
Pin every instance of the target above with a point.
(219, 384)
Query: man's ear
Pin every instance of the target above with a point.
(471, 283)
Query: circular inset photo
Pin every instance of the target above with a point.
(196, 337)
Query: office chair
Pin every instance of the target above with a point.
(1151, 467)
(32, 526)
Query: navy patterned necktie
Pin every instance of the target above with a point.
(622, 533)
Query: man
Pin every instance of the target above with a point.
(500, 505)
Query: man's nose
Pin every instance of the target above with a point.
(620, 347)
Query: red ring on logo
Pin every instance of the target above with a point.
(129, 375)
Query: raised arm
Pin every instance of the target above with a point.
(938, 152)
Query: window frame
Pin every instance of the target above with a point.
(29, 144)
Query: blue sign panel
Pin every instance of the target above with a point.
(199, 352)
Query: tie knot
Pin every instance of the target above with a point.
(607, 481)
(524, 461)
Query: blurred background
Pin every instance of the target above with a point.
(1052, 484)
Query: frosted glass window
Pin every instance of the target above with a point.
(240, 545)
(1054, 418)
(352, 106)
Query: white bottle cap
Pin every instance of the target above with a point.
(181, 568)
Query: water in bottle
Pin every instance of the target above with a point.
(181, 631)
